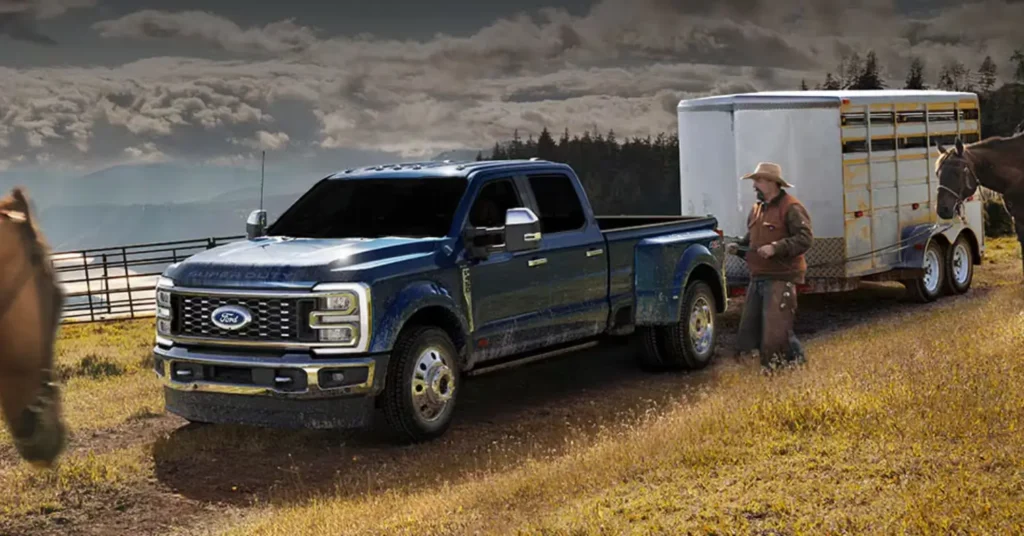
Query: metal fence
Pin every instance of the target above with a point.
(119, 282)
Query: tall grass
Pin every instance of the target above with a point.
(913, 426)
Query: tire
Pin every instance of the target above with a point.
(959, 266)
(929, 286)
(422, 384)
(688, 344)
(651, 354)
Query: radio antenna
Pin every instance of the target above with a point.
(263, 168)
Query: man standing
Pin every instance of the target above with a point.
(778, 235)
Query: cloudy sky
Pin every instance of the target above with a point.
(90, 83)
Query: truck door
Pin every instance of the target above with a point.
(573, 245)
(508, 293)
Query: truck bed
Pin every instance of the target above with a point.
(622, 223)
(622, 235)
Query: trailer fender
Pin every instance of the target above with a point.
(663, 272)
(915, 239)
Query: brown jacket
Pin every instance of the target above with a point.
(785, 223)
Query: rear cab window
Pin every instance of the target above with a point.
(558, 203)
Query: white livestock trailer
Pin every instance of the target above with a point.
(862, 162)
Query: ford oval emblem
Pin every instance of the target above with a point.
(231, 317)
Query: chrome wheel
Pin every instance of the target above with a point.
(433, 384)
(702, 325)
(931, 270)
(961, 264)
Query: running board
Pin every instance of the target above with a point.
(531, 359)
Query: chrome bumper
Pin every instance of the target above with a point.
(293, 376)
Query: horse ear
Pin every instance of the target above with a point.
(959, 147)
(21, 202)
(941, 148)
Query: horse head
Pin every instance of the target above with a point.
(957, 179)
(30, 306)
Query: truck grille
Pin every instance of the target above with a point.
(273, 319)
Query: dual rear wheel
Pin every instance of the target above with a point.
(688, 344)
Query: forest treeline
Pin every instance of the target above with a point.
(641, 175)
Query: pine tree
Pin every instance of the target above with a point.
(956, 77)
(546, 146)
(803, 85)
(987, 75)
(1018, 59)
(831, 83)
(915, 78)
(869, 77)
(479, 156)
(850, 69)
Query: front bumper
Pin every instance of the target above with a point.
(285, 389)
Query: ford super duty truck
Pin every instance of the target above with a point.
(385, 287)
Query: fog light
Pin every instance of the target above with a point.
(163, 326)
(342, 334)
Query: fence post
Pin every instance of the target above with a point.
(88, 286)
(128, 282)
(106, 283)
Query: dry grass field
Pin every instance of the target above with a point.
(907, 420)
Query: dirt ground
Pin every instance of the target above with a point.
(198, 475)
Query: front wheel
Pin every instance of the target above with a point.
(928, 287)
(422, 384)
(960, 266)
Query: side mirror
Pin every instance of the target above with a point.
(522, 230)
(256, 224)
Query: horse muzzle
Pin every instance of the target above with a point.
(40, 434)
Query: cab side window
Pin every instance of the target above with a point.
(494, 199)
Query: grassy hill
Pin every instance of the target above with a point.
(907, 422)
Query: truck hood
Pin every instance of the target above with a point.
(296, 263)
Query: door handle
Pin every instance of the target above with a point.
(536, 262)
(531, 237)
(595, 252)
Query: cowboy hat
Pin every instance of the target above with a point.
(769, 171)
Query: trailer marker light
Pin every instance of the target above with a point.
(858, 214)
(915, 206)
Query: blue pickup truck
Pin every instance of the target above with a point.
(384, 288)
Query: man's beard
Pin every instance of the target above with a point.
(760, 195)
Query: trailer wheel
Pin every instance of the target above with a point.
(928, 287)
(422, 384)
(959, 266)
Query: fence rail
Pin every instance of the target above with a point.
(119, 282)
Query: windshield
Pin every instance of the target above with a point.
(373, 208)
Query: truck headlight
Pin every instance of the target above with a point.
(164, 312)
(342, 314)
(343, 303)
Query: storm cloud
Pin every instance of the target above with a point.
(288, 87)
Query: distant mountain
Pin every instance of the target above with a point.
(75, 227)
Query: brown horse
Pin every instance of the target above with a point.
(30, 304)
(996, 163)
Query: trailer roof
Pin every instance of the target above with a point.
(826, 97)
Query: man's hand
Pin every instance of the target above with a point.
(732, 248)
(766, 251)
